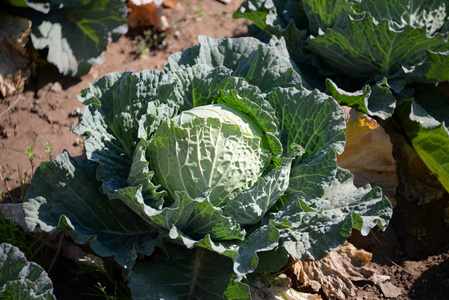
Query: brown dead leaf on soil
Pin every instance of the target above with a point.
(368, 153)
(145, 13)
(278, 288)
(14, 61)
(336, 273)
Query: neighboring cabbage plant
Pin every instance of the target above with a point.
(20, 279)
(219, 167)
(75, 32)
(374, 54)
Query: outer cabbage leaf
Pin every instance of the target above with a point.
(259, 64)
(269, 16)
(245, 254)
(318, 226)
(425, 122)
(65, 195)
(116, 103)
(77, 35)
(200, 275)
(430, 14)
(367, 49)
(375, 100)
(20, 279)
(251, 205)
(195, 218)
(315, 122)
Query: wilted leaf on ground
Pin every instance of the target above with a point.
(278, 288)
(14, 71)
(368, 153)
(336, 273)
(144, 13)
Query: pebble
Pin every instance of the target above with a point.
(389, 290)
(56, 87)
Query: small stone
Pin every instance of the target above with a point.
(225, 1)
(77, 142)
(381, 278)
(389, 290)
(56, 87)
(75, 112)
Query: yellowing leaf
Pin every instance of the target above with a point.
(368, 153)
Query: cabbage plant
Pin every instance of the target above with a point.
(75, 32)
(372, 55)
(21, 279)
(217, 168)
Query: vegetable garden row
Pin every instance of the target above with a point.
(221, 167)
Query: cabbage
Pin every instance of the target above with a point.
(376, 56)
(219, 167)
(210, 147)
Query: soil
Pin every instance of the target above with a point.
(413, 251)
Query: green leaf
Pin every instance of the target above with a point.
(375, 100)
(201, 85)
(140, 175)
(315, 122)
(251, 205)
(195, 218)
(436, 68)
(416, 13)
(200, 275)
(367, 48)
(76, 36)
(20, 279)
(428, 135)
(65, 195)
(327, 14)
(268, 15)
(116, 103)
(244, 253)
(325, 223)
(259, 64)
(357, 99)
(310, 119)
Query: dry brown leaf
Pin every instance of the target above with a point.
(144, 13)
(335, 273)
(14, 61)
(368, 153)
(278, 288)
(172, 4)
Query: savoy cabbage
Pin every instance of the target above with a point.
(375, 56)
(221, 166)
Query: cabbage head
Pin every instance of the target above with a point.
(217, 168)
